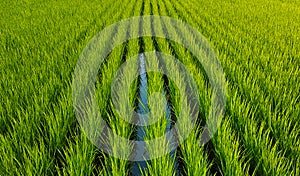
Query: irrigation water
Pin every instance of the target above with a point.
(143, 109)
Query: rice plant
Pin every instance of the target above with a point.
(257, 43)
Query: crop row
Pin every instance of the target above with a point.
(256, 42)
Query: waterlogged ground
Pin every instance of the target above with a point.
(257, 44)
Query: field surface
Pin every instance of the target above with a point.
(257, 43)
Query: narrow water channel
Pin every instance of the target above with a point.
(143, 109)
(138, 167)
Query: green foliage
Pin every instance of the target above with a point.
(257, 43)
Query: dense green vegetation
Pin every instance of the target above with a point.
(257, 43)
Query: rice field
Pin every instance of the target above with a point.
(257, 44)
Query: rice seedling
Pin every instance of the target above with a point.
(256, 42)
